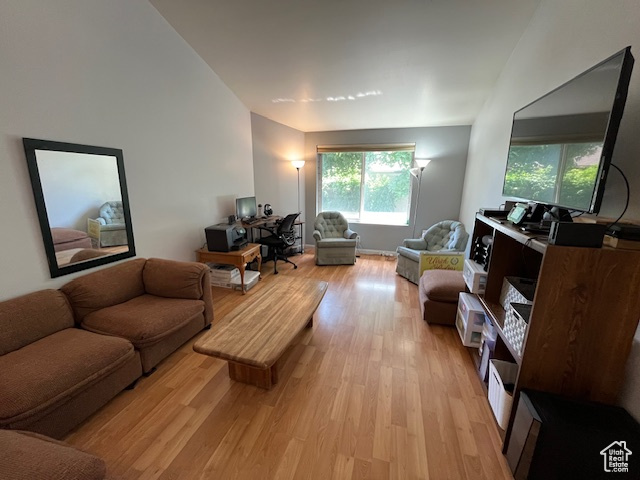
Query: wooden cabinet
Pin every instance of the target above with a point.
(585, 312)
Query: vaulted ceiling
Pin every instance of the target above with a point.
(318, 65)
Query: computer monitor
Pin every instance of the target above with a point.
(246, 207)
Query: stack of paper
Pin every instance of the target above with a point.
(223, 275)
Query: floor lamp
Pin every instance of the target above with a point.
(417, 172)
(298, 164)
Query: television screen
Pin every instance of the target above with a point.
(561, 144)
(246, 207)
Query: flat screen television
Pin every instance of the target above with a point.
(246, 207)
(561, 144)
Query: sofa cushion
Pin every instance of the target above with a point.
(29, 456)
(28, 318)
(171, 279)
(45, 373)
(106, 287)
(146, 319)
(442, 285)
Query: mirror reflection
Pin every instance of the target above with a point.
(81, 199)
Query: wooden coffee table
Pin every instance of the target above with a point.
(237, 258)
(254, 335)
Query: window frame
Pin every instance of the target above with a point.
(363, 150)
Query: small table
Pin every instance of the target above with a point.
(255, 334)
(237, 258)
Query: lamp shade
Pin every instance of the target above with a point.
(422, 162)
(297, 163)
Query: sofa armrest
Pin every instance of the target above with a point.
(317, 235)
(174, 279)
(415, 243)
(207, 297)
(30, 455)
(350, 234)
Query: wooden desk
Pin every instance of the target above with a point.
(255, 334)
(272, 220)
(262, 222)
(237, 258)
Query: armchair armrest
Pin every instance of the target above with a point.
(173, 279)
(317, 235)
(415, 243)
(350, 234)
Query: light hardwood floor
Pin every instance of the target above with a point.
(371, 391)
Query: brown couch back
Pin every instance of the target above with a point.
(173, 279)
(104, 288)
(28, 318)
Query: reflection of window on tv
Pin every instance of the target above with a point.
(246, 207)
(556, 174)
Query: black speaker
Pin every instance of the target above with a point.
(577, 234)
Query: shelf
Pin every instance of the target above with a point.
(497, 314)
(532, 240)
(587, 306)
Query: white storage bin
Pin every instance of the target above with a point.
(469, 319)
(500, 374)
(250, 279)
(474, 276)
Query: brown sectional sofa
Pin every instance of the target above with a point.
(155, 304)
(29, 456)
(54, 375)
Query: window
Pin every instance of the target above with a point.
(366, 184)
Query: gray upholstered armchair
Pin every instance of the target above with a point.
(335, 241)
(448, 236)
(109, 228)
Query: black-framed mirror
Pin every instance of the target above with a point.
(81, 197)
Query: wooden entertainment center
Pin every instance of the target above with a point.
(585, 312)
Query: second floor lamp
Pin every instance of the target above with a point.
(417, 172)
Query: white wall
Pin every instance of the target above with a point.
(115, 74)
(442, 179)
(563, 39)
(276, 180)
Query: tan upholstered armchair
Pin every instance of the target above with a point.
(109, 228)
(335, 241)
(446, 237)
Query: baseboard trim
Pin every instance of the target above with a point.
(382, 253)
(361, 251)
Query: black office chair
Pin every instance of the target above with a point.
(281, 238)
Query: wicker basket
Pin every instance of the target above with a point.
(517, 290)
